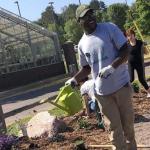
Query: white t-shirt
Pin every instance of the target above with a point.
(88, 88)
(99, 50)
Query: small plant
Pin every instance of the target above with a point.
(14, 128)
(6, 141)
(83, 123)
(135, 86)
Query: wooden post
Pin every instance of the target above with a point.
(109, 146)
(2, 121)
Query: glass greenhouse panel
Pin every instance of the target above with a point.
(24, 45)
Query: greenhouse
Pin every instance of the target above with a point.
(27, 48)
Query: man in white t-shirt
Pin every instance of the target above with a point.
(103, 51)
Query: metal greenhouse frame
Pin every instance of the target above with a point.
(25, 45)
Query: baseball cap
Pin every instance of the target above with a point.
(82, 10)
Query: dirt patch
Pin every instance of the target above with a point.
(142, 118)
(91, 134)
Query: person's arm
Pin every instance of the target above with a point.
(142, 52)
(144, 49)
(84, 72)
(120, 42)
(122, 57)
(85, 68)
(81, 74)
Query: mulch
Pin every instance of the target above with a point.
(89, 134)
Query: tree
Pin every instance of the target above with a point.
(100, 8)
(102, 5)
(69, 12)
(131, 15)
(72, 31)
(48, 17)
(117, 14)
(143, 10)
(58, 29)
(95, 4)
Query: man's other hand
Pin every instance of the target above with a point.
(71, 82)
(106, 72)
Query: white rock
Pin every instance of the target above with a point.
(41, 124)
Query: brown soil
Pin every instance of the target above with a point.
(91, 134)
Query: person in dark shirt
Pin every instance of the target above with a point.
(136, 59)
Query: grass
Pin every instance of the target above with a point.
(14, 128)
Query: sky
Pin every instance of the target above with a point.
(32, 9)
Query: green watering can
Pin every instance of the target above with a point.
(68, 100)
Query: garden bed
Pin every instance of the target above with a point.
(88, 132)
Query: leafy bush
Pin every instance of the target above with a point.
(135, 86)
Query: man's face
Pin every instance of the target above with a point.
(88, 21)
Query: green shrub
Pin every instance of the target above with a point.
(135, 86)
(83, 123)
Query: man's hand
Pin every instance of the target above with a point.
(106, 72)
(71, 82)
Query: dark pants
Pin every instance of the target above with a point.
(139, 67)
(98, 112)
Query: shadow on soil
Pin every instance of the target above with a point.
(140, 118)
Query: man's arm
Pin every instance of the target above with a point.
(84, 72)
(123, 56)
(145, 50)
